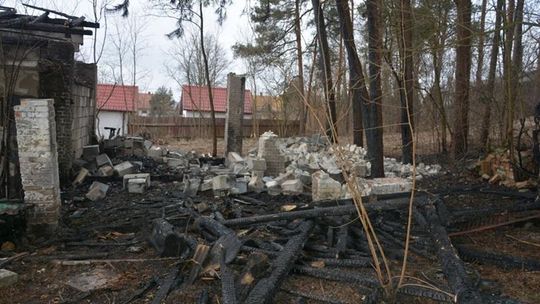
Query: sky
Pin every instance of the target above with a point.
(153, 54)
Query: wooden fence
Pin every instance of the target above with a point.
(194, 127)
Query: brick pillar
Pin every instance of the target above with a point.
(234, 120)
(38, 158)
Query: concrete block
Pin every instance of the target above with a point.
(137, 185)
(155, 153)
(221, 182)
(175, 162)
(103, 159)
(233, 158)
(323, 187)
(8, 278)
(256, 184)
(191, 186)
(239, 168)
(83, 173)
(273, 188)
(97, 191)
(240, 186)
(128, 177)
(360, 169)
(389, 185)
(106, 171)
(147, 144)
(256, 164)
(206, 185)
(293, 186)
(90, 152)
(124, 168)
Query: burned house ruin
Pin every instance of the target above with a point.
(37, 61)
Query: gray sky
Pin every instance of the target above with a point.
(153, 54)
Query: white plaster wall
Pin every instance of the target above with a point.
(111, 119)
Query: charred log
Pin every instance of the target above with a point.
(265, 289)
(453, 267)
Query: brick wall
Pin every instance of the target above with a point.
(55, 81)
(38, 159)
(83, 114)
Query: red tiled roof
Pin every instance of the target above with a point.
(195, 98)
(112, 97)
(143, 103)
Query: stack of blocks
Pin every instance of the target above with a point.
(275, 161)
(38, 158)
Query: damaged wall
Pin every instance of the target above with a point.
(38, 158)
(47, 69)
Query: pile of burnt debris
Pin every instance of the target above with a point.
(233, 221)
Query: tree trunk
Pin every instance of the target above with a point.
(407, 95)
(490, 85)
(300, 64)
(357, 82)
(326, 69)
(507, 72)
(463, 71)
(373, 117)
(208, 82)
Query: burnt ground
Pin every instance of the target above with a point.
(117, 228)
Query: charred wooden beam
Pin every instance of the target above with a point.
(203, 297)
(216, 228)
(255, 268)
(165, 285)
(498, 259)
(140, 292)
(453, 267)
(265, 289)
(228, 288)
(396, 204)
(170, 243)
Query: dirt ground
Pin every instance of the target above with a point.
(117, 229)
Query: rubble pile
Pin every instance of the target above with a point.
(312, 162)
(277, 166)
(498, 169)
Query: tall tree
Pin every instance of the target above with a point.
(463, 71)
(516, 72)
(300, 63)
(357, 83)
(407, 79)
(488, 93)
(326, 70)
(373, 116)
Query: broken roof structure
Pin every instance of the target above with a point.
(43, 27)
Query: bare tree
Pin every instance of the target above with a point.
(463, 71)
(188, 67)
(357, 82)
(373, 118)
(326, 70)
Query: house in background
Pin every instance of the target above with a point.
(114, 103)
(143, 104)
(194, 102)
